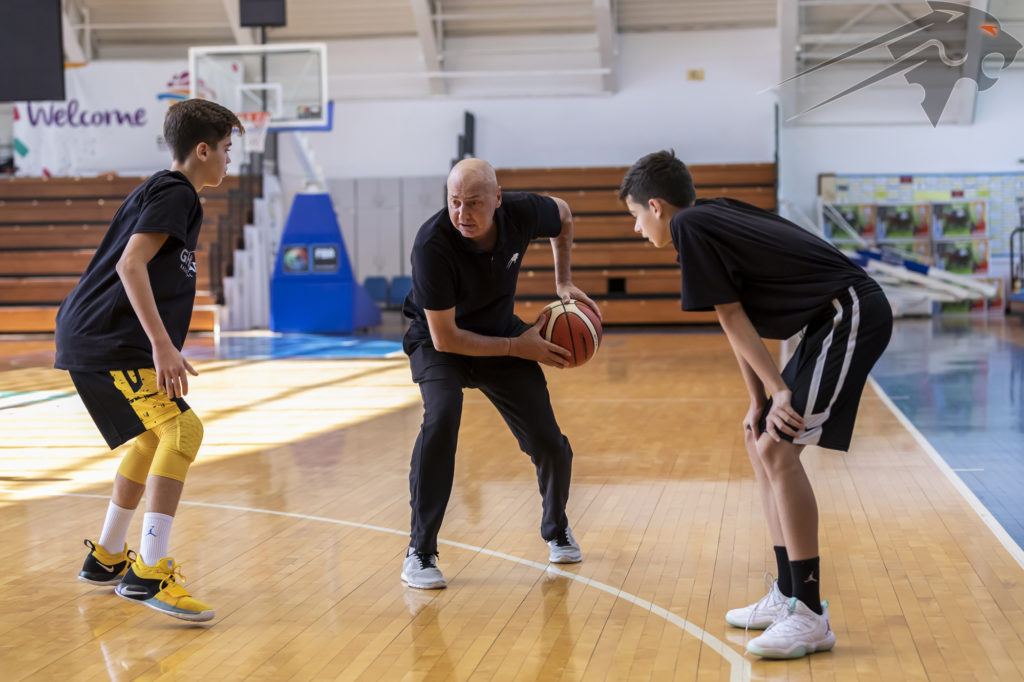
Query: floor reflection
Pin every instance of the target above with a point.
(960, 381)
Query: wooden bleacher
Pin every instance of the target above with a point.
(633, 282)
(49, 230)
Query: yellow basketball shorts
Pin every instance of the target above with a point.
(125, 403)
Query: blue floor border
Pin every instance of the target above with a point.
(959, 388)
(308, 346)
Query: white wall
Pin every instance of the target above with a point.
(388, 125)
(994, 143)
(379, 219)
(387, 156)
(721, 119)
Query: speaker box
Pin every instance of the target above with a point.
(261, 12)
(31, 51)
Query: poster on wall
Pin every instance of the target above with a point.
(963, 257)
(858, 221)
(111, 121)
(905, 221)
(960, 219)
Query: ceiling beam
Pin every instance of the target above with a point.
(604, 20)
(243, 36)
(898, 12)
(547, 13)
(848, 24)
(789, 39)
(428, 44)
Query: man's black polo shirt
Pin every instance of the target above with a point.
(449, 270)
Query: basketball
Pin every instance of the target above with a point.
(573, 326)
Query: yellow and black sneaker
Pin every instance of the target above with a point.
(158, 588)
(104, 568)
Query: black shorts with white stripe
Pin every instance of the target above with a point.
(831, 364)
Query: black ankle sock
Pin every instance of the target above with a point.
(804, 574)
(784, 579)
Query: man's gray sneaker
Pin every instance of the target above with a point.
(564, 548)
(420, 570)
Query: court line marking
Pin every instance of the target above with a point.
(993, 524)
(739, 666)
(12, 399)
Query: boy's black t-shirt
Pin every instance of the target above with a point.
(97, 328)
(449, 270)
(782, 274)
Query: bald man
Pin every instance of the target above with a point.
(464, 334)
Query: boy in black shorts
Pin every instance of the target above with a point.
(769, 278)
(120, 334)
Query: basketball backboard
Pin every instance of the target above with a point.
(288, 79)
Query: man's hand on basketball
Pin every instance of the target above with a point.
(782, 417)
(172, 370)
(530, 345)
(567, 291)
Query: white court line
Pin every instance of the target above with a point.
(997, 529)
(739, 666)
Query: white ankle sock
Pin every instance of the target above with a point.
(156, 530)
(115, 528)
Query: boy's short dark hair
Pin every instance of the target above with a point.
(192, 121)
(659, 176)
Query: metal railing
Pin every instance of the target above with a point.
(1016, 260)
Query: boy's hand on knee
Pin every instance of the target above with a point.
(782, 417)
(752, 420)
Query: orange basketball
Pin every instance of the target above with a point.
(573, 326)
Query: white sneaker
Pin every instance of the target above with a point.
(760, 615)
(798, 633)
(565, 549)
(420, 570)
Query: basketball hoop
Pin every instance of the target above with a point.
(256, 124)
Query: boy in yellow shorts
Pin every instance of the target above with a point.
(120, 334)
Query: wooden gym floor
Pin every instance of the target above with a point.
(295, 517)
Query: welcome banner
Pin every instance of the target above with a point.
(111, 121)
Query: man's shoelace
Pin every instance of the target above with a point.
(426, 560)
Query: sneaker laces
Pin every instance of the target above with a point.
(170, 579)
(769, 581)
(790, 615)
(563, 538)
(426, 559)
(790, 611)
